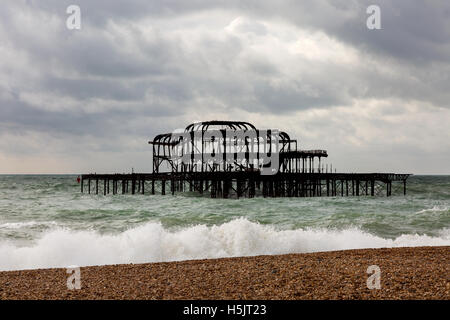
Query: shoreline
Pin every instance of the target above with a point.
(406, 273)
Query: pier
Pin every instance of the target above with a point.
(231, 159)
(235, 185)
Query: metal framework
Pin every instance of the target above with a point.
(237, 143)
(226, 159)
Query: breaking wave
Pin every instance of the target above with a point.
(151, 242)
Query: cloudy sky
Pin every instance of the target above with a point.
(88, 100)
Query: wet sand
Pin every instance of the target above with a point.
(406, 273)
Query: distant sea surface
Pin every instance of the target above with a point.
(46, 222)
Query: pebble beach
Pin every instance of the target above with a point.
(406, 273)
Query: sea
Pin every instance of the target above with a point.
(45, 221)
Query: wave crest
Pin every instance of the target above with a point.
(151, 242)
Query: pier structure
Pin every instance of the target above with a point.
(233, 159)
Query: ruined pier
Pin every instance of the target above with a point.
(232, 159)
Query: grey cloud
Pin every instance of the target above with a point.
(417, 31)
(94, 88)
(100, 55)
(17, 116)
(155, 74)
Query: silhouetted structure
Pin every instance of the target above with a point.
(235, 159)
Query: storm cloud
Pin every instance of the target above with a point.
(89, 99)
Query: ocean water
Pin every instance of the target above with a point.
(46, 222)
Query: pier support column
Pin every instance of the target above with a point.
(163, 187)
(314, 189)
(404, 187)
(213, 191)
(219, 188)
(226, 189)
(291, 188)
(251, 189)
(238, 188)
(270, 188)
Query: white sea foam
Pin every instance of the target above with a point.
(19, 225)
(435, 209)
(151, 243)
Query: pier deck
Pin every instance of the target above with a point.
(247, 184)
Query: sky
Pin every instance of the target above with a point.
(89, 99)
